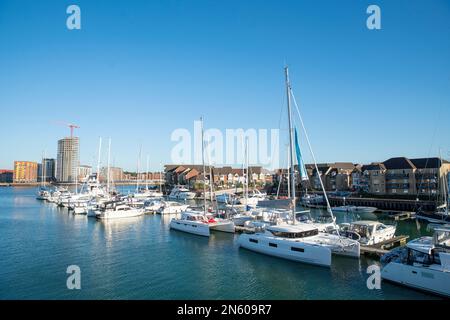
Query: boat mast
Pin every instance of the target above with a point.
(160, 177)
(109, 168)
(288, 175)
(138, 169)
(204, 169)
(42, 170)
(291, 143)
(211, 182)
(98, 161)
(146, 175)
(246, 172)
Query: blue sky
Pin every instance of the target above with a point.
(137, 70)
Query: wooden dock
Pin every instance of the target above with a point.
(376, 251)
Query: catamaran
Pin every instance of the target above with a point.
(281, 239)
(423, 264)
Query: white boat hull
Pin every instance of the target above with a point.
(429, 280)
(108, 215)
(304, 252)
(172, 209)
(223, 226)
(194, 227)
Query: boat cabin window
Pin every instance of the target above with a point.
(418, 257)
(381, 227)
(362, 230)
(297, 249)
(293, 235)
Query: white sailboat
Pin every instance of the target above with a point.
(277, 240)
(442, 213)
(199, 223)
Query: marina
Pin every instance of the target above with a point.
(150, 255)
(231, 151)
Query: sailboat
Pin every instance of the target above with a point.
(43, 193)
(441, 215)
(197, 222)
(294, 240)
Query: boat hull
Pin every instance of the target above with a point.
(193, 227)
(428, 280)
(281, 248)
(223, 226)
(119, 214)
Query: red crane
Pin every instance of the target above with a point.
(70, 125)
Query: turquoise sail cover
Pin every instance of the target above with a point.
(300, 163)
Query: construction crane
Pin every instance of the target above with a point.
(70, 125)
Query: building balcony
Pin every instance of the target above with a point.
(397, 176)
(397, 186)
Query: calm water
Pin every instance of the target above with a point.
(142, 259)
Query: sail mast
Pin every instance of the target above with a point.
(99, 158)
(108, 177)
(146, 174)
(291, 143)
(138, 169)
(204, 169)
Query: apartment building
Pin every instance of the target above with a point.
(25, 171)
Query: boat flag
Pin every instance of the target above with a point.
(301, 165)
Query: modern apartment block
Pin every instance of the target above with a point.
(67, 160)
(25, 172)
(47, 169)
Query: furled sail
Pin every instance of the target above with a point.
(301, 165)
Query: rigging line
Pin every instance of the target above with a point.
(429, 153)
(313, 156)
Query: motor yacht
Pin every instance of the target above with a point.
(368, 232)
(117, 210)
(171, 207)
(181, 193)
(199, 223)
